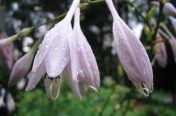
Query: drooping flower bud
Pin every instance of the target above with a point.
(169, 9)
(131, 54)
(22, 66)
(160, 52)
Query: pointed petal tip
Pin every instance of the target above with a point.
(94, 89)
(29, 87)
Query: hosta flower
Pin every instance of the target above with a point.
(22, 65)
(87, 63)
(169, 9)
(58, 55)
(160, 52)
(131, 53)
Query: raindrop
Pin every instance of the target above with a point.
(64, 48)
(56, 48)
(46, 46)
(64, 59)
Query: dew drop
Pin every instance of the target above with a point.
(46, 46)
(56, 48)
(64, 48)
(64, 59)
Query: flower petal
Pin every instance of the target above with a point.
(34, 77)
(131, 52)
(50, 36)
(73, 84)
(58, 55)
(87, 60)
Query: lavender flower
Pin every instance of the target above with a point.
(131, 54)
(169, 9)
(57, 55)
(89, 72)
(160, 52)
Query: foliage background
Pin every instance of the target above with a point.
(117, 95)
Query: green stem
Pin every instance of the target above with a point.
(28, 30)
(158, 21)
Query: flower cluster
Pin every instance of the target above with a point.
(65, 53)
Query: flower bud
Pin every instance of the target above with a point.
(169, 9)
(21, 68)
(132, 54)
(160, 52)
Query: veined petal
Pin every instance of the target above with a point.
(131, 52)
(58, 55)
(73, 54)
(50, 36)
(34, 77)
(52, 87)
(87, 60)
(73, 84)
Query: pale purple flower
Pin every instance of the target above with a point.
(169, 9)
(160, 52)
(57, 54)
(131, 54)
(88, 68)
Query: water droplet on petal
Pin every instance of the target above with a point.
(56, 48)
(64, 59)
(46, 46)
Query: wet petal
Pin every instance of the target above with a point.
(47, 42)
(34, 77)
(131, 52)
(73, 54)
(88, 65)
(73, 84)
(58, 55)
